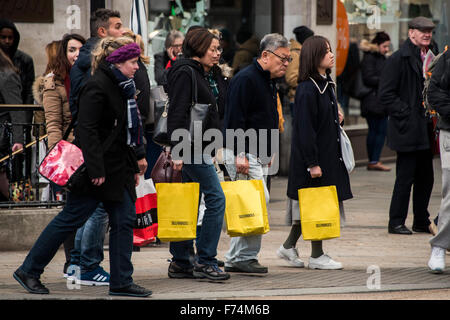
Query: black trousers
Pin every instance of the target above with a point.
(413, 169)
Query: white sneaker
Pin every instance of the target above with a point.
(437, 260)
(291, 256)
(324, 262)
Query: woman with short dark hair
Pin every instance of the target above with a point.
(201, 53)
(316, 155)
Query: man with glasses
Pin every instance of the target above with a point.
(400, 91)
(164, 60)
(252, 105)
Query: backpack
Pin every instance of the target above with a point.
(429, 110)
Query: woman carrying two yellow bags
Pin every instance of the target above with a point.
(316, 155)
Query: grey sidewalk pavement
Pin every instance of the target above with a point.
(374, 261)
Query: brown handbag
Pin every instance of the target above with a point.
(163, 171)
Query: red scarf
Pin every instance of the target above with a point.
(169, 64)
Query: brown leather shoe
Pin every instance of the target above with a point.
(378, 167)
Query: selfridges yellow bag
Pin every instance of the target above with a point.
(319, 213)
(177, 205)
(246, 210)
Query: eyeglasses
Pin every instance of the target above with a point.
(218, 50)
(283, 59)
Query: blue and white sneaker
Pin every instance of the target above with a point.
(72, 272)
(96, 277)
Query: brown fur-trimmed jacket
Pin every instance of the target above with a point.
(51, 93)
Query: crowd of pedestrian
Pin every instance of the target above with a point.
(99, 90)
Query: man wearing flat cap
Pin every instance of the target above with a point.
(400, 91)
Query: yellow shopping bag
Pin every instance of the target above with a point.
(177, 205)
(319, 213)
(246, 210)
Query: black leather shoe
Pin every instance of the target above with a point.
(401, 229)
(425, 229)
(32, 285)
(133, 290)
(249, 266)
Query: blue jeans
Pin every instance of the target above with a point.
(76, 212)
(376, 137)
(209, 233)
(87, 252)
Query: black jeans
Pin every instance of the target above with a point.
(413, 168)
(77, 210)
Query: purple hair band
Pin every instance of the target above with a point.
(124, 53)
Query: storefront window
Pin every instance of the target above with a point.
(366, 17)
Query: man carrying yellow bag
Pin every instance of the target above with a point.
(246, 210)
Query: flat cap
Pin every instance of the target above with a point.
(421, 23)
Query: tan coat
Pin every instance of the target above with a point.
(292, 70)
(245, 54)
(51, 93)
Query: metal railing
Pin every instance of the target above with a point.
(28, 180)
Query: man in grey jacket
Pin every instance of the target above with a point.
(439, 98)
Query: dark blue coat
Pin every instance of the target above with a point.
(252, 103)
(81, 71)
(316, 140)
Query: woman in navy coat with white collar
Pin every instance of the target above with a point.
(316, 155)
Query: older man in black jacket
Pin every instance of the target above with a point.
(252, 105)
(439, 99)
(400, 91)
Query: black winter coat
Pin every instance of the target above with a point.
(101, 108)
(143, 85)
(400, 91)
(439, 91)
(316, 140)
(371, 67)
(222, 85)
(161, 60)
(179, 90)
(81, 71)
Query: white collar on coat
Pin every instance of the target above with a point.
(326, 86)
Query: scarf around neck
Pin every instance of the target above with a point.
(134, 126)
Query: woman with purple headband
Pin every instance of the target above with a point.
(106, 104)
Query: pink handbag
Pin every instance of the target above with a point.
(61, 163)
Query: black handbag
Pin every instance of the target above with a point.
(161, 112)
